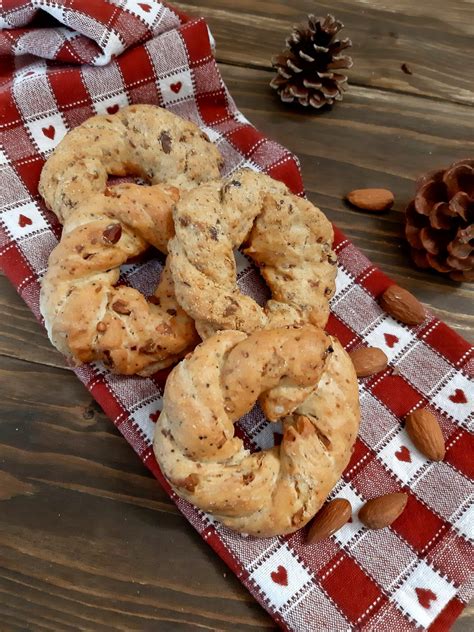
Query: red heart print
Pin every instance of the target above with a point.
(391, 340)
(145, 7)
(280, 576)
(176, 87)
(458, 397)
(154, 416)
(425, 597)
(49, 131)
(23, 221)
(112, 109)
(403, 454)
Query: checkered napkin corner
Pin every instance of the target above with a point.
(81, 31)
(416, 573)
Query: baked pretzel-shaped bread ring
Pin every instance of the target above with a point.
(141, 140)
(301, 375)
(86, 316)
(286, 236)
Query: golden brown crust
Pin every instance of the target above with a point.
(305, 377)
(86, 315)
(142, 140)
(287, 237)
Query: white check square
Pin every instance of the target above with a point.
(268, 434)
(3, 157)
(146, 10)
(31, 71)
(111, 104)
(389, 336)
(145, 418)
(47, 132)
(401, 457)
(281, 576)
(465, 524)
(456, 397)
(176, 87)
(343, 282)
(423, 594)
(24, 220)
(350, 529)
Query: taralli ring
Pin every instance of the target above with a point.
(301, 375)
(140, 140)
(286, 236)
(87, 316)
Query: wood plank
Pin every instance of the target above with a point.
(433, 38)
(88, 539)
(21, 336)
(465, 623)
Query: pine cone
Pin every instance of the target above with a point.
(440, 221)
(306, 68)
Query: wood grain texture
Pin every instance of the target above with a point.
(434, 38)
(371, 139)
(88, 540)
(21, 336)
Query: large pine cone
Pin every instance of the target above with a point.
(440, 221)
(307, 67)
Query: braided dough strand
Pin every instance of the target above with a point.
(302, 375)
(142, 140)
(91, 318)
(286, 236)
(86, 315)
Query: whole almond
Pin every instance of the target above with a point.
(424, 430)
(380, 512)
(371, 199)
(327, 521)
(368, 360)
(402, 305)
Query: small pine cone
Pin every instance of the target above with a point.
(440, 221)
(308, 70)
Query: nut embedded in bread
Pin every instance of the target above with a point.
(89, 317)
(299, 374)
(288, 238)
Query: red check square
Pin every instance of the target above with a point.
(343, 333)
(397, 394)
(449, 343)
(75, 95)
(361, 456)
(460, 452)
(364, 596)
(419, 526)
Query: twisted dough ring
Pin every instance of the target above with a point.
(87, 317)
(286, 236)
(278, 490)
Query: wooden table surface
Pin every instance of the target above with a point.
(88, 540)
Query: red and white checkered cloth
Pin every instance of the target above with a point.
(417, 573)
